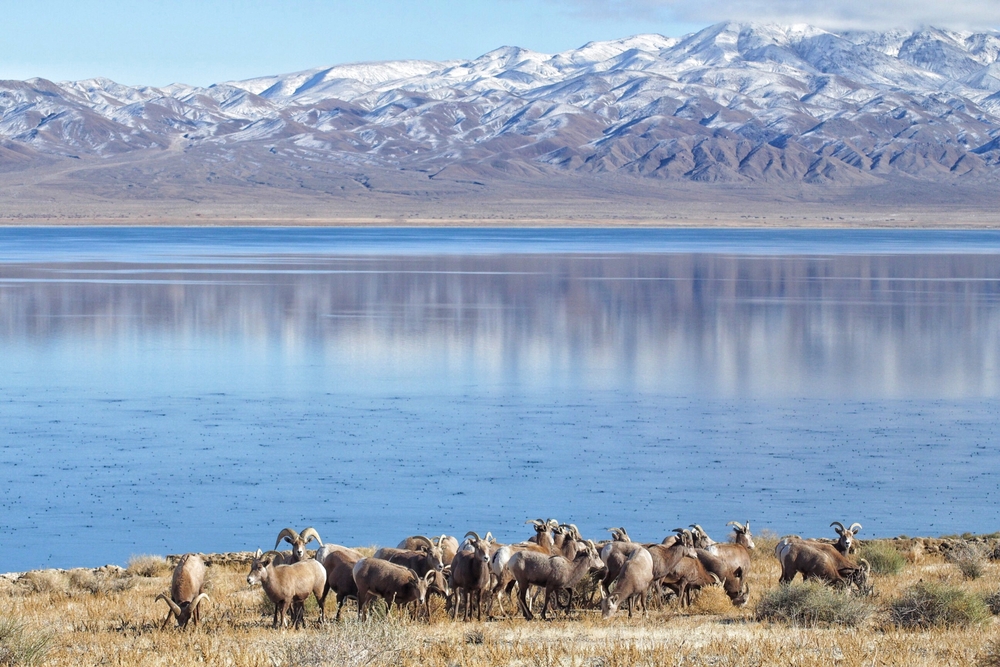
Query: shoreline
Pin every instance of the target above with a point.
(763, 223)
(926, 546)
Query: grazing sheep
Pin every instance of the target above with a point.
(552, 573)
(186, 586)
(632, 582)
(298, 542)
(736, 560)
(288, 585)
(393, 583)
(823, 562)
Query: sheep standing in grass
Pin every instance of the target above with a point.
(288, 586)
(553, 573)
(393, 583)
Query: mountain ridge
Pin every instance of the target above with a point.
(737, 102)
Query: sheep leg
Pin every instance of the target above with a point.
(523, 602)
(362, 602)
(545, 607)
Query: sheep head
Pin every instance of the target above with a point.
(480, 544)
(845, 544)
(298, 541)
(183, 611)
(701, 538)
(743, 535)
(258, 568)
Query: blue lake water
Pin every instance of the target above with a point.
(171, 390)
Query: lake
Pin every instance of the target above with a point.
(198, 389)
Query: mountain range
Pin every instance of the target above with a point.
(742, 103)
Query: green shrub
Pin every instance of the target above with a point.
(812, 603)
(20, 646)
(929, 604)
(884, 558)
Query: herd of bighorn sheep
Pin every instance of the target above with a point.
(475, 576)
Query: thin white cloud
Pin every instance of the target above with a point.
(875, 14)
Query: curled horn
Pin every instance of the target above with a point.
(472, 532)
(174, 609)
(698, 528)
(680, 530)
(840, 527)
(429, 575)
(718, 582)
(738, 526)
(552, 523)
(438, 540)
(272, 551)
(198, 600)
(310, 534)
(855, 530)
(287, 534)
(538, 523)
(489, 537)
(422, 539)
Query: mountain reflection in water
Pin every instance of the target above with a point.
(196, 405)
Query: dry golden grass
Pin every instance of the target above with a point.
(111, 618)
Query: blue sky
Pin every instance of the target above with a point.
(158, 42)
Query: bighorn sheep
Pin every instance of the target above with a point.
(701, 538)
(298, 542)
(393, 583)
(470, 573)
(633, 581)
(447, 544)
(619, 534)
(815, 560)
(425, 558)
(552, 573)
(735, 562)
(614, 554)
(185, 591)
(846, 544)
(544, 536)
(339, 565)
(288, 585)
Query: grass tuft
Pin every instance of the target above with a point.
(45, 581)
(144, 565)
(21, 646)
(929, 604)
(764, 543)
(884, 558)
(993, 602)
(970, 559)
(812, 603)
(356, 643)
(711, 600)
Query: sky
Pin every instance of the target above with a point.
(157, 42)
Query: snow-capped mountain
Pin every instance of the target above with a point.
(735, 101)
